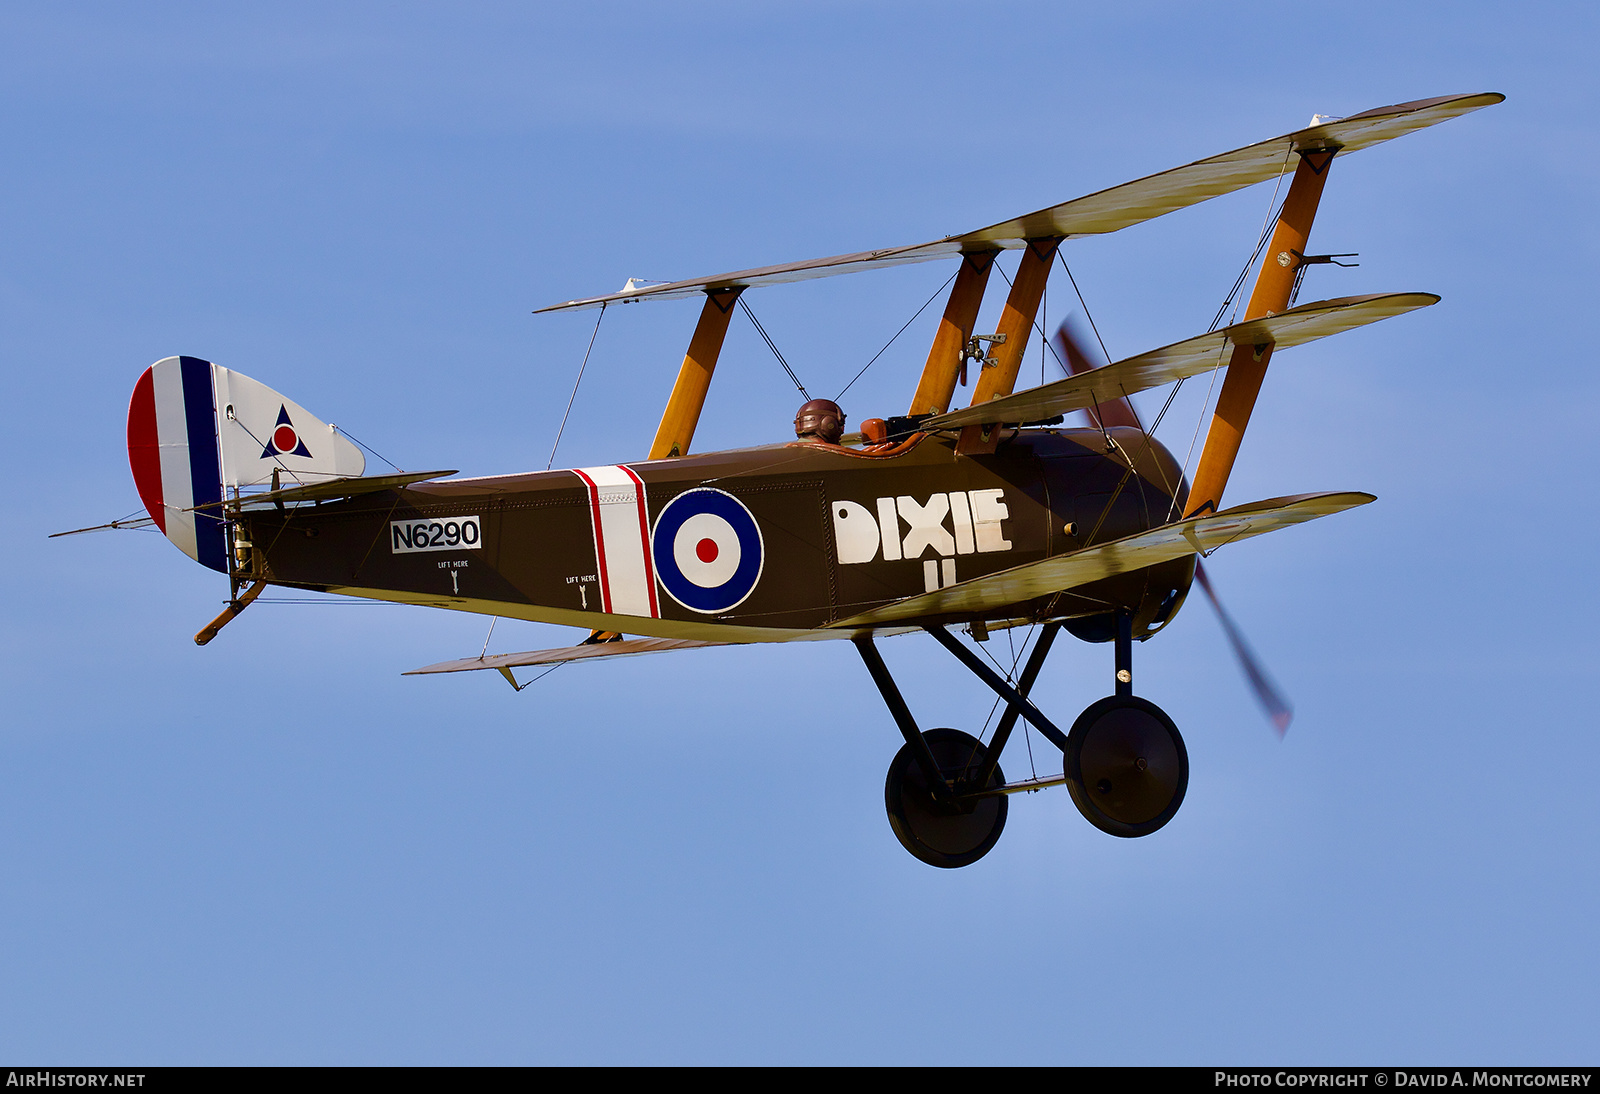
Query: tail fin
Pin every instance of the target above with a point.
(195, 428)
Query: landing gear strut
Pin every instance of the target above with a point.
(929, 792)
(1126, 766)
(1125, 763)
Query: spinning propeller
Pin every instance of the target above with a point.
(1119, 412)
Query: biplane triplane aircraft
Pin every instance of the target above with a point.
(983, 516)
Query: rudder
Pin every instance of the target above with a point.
(195, 428)
(172, 449)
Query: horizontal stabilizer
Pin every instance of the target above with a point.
(127, 523)
(628, 647)
(340, 488)
(1294, 327)
(1101, 212)
(1197, 535)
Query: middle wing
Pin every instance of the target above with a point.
(1198, 535)
(1294, 327)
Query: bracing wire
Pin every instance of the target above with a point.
(366, 448)
(1231, 302)
(1010, 678)
(573, 397)
(765, 337)
(1048, 344)
(1261, 241)
(1084, 305)
(541, 676)
(897, 334)
(1172, 507)
(1045, 338)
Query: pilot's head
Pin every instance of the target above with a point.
(820, 420)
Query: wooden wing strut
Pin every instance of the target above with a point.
(678, 421)
(1016, 323)
(1247, 368)
(938, 383)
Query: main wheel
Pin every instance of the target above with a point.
(941, 835)
(1126, 767)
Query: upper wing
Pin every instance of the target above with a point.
(1105, 210)
(1198, 535)
(1294, 327)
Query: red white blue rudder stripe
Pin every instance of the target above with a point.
(172, 448)
(621, 522)
(708, 550)
(196, 429)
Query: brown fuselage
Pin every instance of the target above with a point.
(538, 545)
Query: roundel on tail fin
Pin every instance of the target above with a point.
(195, 428)
(263, 432)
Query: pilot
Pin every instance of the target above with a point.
(820, 420)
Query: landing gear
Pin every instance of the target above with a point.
(955, 831)
(1125, 763)
(1126, 766)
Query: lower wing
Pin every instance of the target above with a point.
(1197, 535)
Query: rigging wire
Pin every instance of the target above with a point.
(1045, 338)
(1084, 305)
(1133, 462)
(541, 676)
(1200, 419)
(1044, 325)
(765, 337)
(897, 334)
(1027, 739)
(367, 448)
(1011, 678)
(1095, 419)
(571, 398)
(1016, 656)
(1232, 302)
(1261, 242)
(1148, 433)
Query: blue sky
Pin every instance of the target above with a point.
(277, 849)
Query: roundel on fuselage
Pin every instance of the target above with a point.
(707, 550)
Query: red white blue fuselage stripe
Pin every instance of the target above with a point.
(621, 522)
